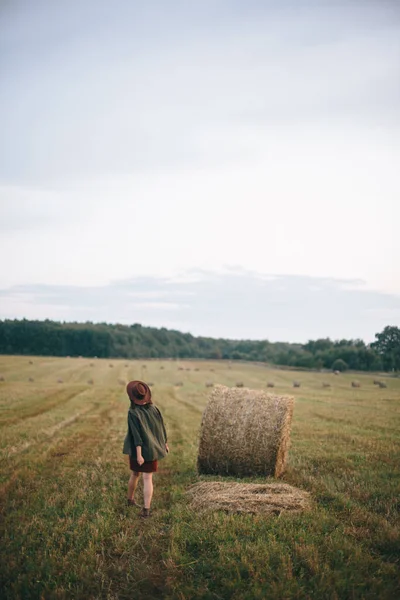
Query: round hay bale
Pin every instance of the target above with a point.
(121, 382)
(377, 381)
(209, 384)
(31, 362)
(161, 368)
(151, 384)
(244, 432)
(179, 384)
(336, 372)
(90, 381)
(355, 384)
(382, 384)
(181, 369)
(197, 369)
(60, 381)
(296, 384)
(91, 365)
(111, 366)
(2, 378)
(239, 384)
(270, 384)
(31, 379)
(326, 385)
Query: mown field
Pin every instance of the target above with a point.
(67, 533)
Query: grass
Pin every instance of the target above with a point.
(66, 532)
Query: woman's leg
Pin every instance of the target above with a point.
(132, 484)
(147, 489)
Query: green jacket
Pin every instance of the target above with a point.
(146, 429)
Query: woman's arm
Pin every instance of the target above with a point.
(139, 457)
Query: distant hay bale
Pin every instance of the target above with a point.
(296, 384)
(244, 432)
(377, 381)
(187, 368)
(212, 370)
(326, 385)
(31, 362)
(197, 369)
(91, 365)
(355, 384)
(111, 366)
(180, 369)
(2, 378)
(239, 384)
(126, 365)
(382, 384)
(209, 384)
(151, 384)
(31, 379)
(336, 372)
(90, 381)
(161, 368)
(270, 384)
(250, 498)
(60, 381)
(178, 384)
(121, 382)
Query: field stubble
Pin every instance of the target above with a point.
(66, 530)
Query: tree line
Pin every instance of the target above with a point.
(52, 338)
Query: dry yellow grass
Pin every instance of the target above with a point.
(251, 498)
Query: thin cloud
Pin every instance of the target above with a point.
(234, 304)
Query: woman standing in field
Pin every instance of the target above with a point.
(145, 442)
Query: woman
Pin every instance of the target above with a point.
(145, 442)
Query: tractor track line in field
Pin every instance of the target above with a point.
(43, 408)
(48, 433)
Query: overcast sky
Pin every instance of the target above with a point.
(221, 167)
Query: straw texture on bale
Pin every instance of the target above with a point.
(252, 498)
(245, 432)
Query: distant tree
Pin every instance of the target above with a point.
(387, 345)
(339, 365)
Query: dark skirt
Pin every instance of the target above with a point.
(146, 467)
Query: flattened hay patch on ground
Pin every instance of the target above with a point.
(250, 498)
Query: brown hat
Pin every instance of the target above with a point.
(138, 392)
